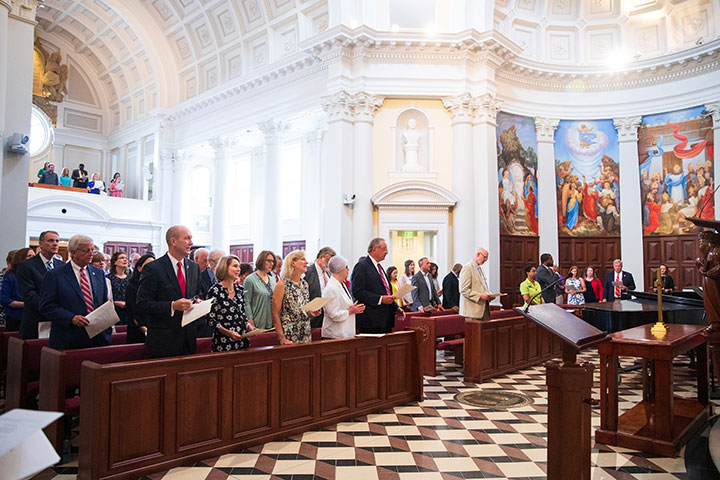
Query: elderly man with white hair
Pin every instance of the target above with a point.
(69, 293)
(339, 319)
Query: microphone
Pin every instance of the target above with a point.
(540, 293)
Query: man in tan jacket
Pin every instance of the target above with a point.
(474, 288)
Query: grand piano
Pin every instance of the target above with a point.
(683, 308)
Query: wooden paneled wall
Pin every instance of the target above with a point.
(288, 247)
(128, 247)
(151, 415)
(516, 252)
(678, 253)
(243, 252)
(596, 252)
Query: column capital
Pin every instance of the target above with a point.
(545, 128)
(365, 105)
(24, 10)
(273, 130)
(627, 128)
(338, 106)
(714, 111)
(221, 145)
(486, 108)
(460, 108)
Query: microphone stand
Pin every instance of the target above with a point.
(540, 293)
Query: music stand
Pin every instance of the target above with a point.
(569, 391)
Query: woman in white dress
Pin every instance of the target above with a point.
(339, 319)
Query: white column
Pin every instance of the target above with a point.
(312, 182)
(714, 109)
(258, 197)
(365, 106)
(221, 198)
(631, 231)
(164, 185)
(546, 194)
(272, 221)
(16, 69)
(336, 225)
(463, 178)
(487, 219)
(181, 162)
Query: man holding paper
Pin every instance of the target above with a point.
(70, 293)
(474, 288)
(167, 287)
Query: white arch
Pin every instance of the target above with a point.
(417, 194)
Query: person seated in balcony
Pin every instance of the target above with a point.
(116, 186)
(49, 177)
(96, 186)
(65, 178)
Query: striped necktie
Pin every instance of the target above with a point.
(49, 265)
(85, 287)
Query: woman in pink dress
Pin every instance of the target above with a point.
(116, 186)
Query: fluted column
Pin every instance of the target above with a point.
(17, 26)
(272, 218)
(714, 109)
(312, 181)
(336, 225)
(546, 194)
(631, 232)
(365, 106)
(221, 221)
(487, 219)
(181, 162)
(463, 230)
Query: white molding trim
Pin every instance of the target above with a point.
(414, 195)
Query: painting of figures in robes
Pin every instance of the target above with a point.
(675, 152)
(587, 175)
(517, 174)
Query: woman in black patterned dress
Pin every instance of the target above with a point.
(227, 315)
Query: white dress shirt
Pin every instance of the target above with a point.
(337, 323)
(322, 278)
(76, 270)
(383, 276)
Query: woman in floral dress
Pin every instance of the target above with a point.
(575, 286)
(227, 314)
(291, 293)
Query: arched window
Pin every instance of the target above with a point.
(41, 132)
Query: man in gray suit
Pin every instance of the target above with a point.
(317, 277)
(425, 298)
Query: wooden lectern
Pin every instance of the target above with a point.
(569, 392)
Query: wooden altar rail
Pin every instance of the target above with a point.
(151, 415)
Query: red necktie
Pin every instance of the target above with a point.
(85, 287)
(617, 289)
(382, 275)
(181, 278)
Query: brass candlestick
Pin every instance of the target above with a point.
(659, 329)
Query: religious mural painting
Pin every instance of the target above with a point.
(675, 152)
(517, 174)
(587, 175)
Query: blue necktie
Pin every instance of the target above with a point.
(49, 265)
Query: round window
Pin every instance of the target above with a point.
(41, 132)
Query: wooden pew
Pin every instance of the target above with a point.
(506, 343)
(430, 328)
(24, 370)
(4, 339)
(202, 406)
(405, 324)
(60, 378)
(120, 328)
(269, 339)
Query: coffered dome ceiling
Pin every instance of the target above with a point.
(149, 54)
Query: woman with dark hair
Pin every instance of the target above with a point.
(575, 287)
(137, 327)
(259, 287)
(10, 296)
(530, 288)
(668, 284)
(593, 286)
(116, 186)
(245, 270)
(406, 278)
(434, 275)
(117, 274)
(392, 274)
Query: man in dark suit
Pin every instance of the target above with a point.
(546, 276)
(207, 280)
(31, 274)
(371, 287)
(69, 293)
(618, 283)
(425, 298)
(317, 277)
(80, 177)
(167, 287)
(451, 289)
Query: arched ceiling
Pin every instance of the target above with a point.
(150, 54)
(605, 32)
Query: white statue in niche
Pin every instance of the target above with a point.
(411, 146)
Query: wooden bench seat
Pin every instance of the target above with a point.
(430, 328)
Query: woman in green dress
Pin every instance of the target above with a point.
(259, 288)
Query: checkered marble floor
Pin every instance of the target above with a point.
(437, 438)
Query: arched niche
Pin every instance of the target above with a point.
(416, 209)
(413, 138)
